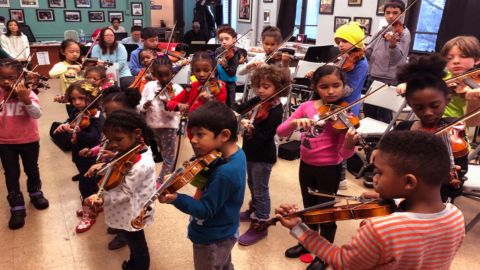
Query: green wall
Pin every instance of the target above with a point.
(54, 30)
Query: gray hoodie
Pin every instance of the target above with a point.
(383, 61)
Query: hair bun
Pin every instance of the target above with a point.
(424, 66)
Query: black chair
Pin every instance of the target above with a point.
(120, 36)
(130, 48)
(321, 54)
(28, 32)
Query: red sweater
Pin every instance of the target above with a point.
(191, 97)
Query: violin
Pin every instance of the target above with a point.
(82, 120)
(230, 53)
(176, 56)
(259, 114)
(341, 121)
(470, 78)
(181, 177)
(348, 61)
(212, 86)
(396, 30)
(324, 213)
(116, 169)
(93, 61)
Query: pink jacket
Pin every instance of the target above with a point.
(18, 123)
(326, 149)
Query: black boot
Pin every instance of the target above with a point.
(17, 210)
(317, 264)
(296, 251)
(37, 198)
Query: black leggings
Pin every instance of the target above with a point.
(325, 179)
(139, 256)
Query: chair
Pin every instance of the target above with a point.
(183, 76)
(471, 190)
(130, 48)
(71, 34)
(385, 98)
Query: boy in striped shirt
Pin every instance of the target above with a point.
(423, 233)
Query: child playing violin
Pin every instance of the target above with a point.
(126, 130)
(144, 76)
(428, 95)
(215, 214)
(163, 123)
(97, 76)
(423, 233)
(204, 89)
(86, 133)
(258, 143)
(149, 38)
(321, 155)
(19, 137)
(228, 61)
(271, 40)
(68, 70)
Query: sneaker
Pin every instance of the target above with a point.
(112, 231)
(88, 219)
(117, 243)
(76, 177)
(343, 185)
(17, 218)
(255, 233)
(295, 251)
(38, 200)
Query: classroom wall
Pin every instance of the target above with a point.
(166, 12)
(54, 30)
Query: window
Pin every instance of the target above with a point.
(429, 18)
(311, 18)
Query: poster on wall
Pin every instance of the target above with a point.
(29, 3)
(56, 3)
(137, 9)
(83, 3)
(365, 23)
(138, 22)
(17, 15)
(380, 6)
(116, 15)
(266, 16)
(72, 15)
(339, 21)
(107, 3)
(245, 10)
(45, 15)
(96, 16)
(4, 3)
(326, 6)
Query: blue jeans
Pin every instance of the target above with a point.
(258, 176)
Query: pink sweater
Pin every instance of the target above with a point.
(18, 123)
(326, 149)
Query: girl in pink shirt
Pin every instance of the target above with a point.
(321, 154)
(19, 137)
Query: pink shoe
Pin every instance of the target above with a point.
(88, 219)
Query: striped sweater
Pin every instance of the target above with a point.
(402, 240)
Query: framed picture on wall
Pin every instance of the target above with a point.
(136, 8)
(365, 22)
(115, 14)
(107, 3)
(17, 14)
(72, 16)
(83, 3)
(45, 15)
(138, 22)
(4, 3)
(267, 1)
(56, 3)
(245, 10)
(339, 21)
(96, 16)
(380, 6)
(29, 3)
(355, 3)
(326, 6)
(266, 16)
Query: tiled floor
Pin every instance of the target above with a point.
(49, 241)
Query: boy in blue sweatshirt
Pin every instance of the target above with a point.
(215, 221)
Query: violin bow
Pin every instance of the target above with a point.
(463, 118)
(274, 220)
(171, 36)
(339, 196)
(244, 113)
(17, 82)
(111, 163)
(381, 33)
(278, 48)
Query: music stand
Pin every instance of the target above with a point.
(321, 54)
(120, 36)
